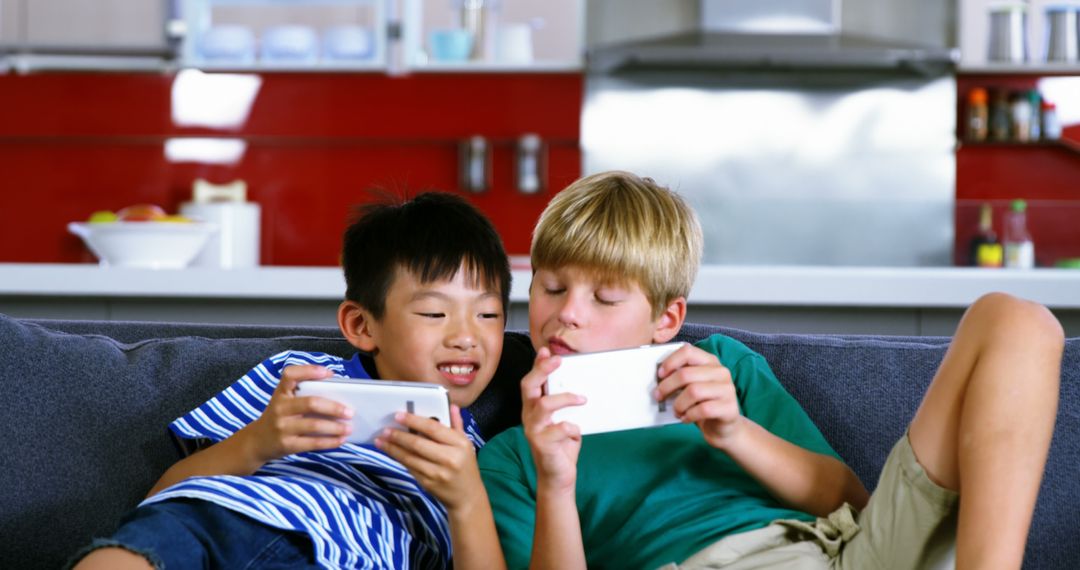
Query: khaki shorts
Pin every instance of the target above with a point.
(910, 522)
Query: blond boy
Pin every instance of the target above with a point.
(614, 257)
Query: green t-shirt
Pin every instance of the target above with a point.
(651, 496)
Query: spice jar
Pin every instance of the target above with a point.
(978, 115)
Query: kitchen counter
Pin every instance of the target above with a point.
(726, 285)
(722, 293)
(954, 287)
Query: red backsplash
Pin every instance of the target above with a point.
(315, 144)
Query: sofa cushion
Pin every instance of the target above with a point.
(87, 438)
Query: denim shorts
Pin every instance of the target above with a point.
(189, 533)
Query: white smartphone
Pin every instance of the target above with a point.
(618, 386)
(374, 402)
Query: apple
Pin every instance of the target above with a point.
(141, 213)
(176, 219)
(102, 217)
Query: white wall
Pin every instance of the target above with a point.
(613, 21)
(926, 22)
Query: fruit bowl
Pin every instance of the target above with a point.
(153, 245)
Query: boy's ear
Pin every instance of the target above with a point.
(670, 321)
(356, 324)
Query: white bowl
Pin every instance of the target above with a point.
(153, 245)
(348, 43)
(290, 44)
(228, 44)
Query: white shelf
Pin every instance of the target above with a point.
(1022, 68)
(289, 3)
(558, 44)
(26, 63)
(286, 68)
(483, 67)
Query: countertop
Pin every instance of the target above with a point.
(716, 284)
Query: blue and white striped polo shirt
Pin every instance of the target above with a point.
(361, 508)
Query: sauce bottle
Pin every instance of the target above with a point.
(1000, 116)
(985, 248)
(1021, 117)
(1019, 249)
(1051, 126)
(1035, 123)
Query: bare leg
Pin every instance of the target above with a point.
(985, 424)
(113, 559)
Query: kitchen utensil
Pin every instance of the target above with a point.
(475, 159)
(515, 44)
(477, 17)
(450, 45)
(529, 164)
(1008, 33)
(1061, 37)
(236, 244)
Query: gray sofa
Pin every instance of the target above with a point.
(86, 405)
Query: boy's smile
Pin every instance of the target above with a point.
(572, 311)
(446, 332)
(459, 373)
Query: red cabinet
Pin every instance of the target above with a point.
(312, 146)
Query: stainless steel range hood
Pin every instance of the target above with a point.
(738, 50)
(819, 149)
(772, 35)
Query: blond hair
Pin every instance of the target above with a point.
(623, 229)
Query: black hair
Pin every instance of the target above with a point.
(432, 236)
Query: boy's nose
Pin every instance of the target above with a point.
(462, 341)
(570, 313)
(462, 336)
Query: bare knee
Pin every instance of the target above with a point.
(1016, 319)
(111, 558)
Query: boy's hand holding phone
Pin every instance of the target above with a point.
(708, 396)
(441, 458)
(289, 423)
(430, 443)
(555, 446)
(619, 385)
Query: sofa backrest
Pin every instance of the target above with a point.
(87, 403)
